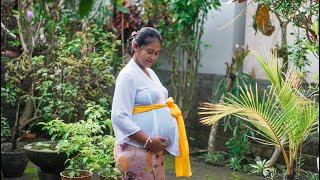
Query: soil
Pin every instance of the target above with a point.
(44, 146)
(7, 148)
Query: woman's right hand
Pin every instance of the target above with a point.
(158, 143)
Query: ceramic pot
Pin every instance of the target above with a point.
(13, 163)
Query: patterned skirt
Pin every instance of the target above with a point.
(139, 163)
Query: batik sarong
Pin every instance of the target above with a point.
(139, 163)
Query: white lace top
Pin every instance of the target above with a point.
(133, 88)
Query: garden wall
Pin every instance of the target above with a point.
(199, 133)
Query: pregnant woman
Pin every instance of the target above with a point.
(147, 123)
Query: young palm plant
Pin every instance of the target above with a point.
(283, 116)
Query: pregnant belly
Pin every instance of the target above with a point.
(158, 122)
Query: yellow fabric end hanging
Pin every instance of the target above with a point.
(182, 162)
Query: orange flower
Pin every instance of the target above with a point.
(123, 163)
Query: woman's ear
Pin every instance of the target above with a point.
(135, 46)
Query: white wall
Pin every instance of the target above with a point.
(238, 31)
(222, 32)
(260, 43)
(221, 41)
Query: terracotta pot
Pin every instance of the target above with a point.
(84, 175)
(30, 136)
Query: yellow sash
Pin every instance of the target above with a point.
(182, 162)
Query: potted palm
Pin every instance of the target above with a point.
(284, 116)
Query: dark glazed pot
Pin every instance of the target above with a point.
(13, 163)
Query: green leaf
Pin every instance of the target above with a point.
(122, 8)
(315, 27)
(16, 12)
(71, 174)
(85, 7)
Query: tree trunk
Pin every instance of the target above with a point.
(26, 114)
(284, 48)
(212, 138)
(284, 44)
(274, 156)
(214, 127)
(292, 173)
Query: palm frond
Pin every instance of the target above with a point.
(264, 115)
(271, 67)
(284, 116)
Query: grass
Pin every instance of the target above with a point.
(169, 162)
(31, 172)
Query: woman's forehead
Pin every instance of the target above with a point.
(153, 45)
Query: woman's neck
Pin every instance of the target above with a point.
(140, 66)
(144, 69)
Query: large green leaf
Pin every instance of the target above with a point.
(85, 7)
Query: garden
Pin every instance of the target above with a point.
(250, 112)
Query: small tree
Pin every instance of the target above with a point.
(181, 23)
(284, 116)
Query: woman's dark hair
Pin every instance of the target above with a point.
(143, 37)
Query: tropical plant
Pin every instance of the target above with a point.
(313, 45)
(298, 51)
(235, 163)
(262, 168)
(215, 159)
(284, 117)
(311, 176)
(238, 144)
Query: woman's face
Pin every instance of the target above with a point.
(147, 54)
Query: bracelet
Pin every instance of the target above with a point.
(147, 141)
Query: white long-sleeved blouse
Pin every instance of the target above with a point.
(133, 88)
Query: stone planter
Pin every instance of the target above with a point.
(50, 162)
(13, 163)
